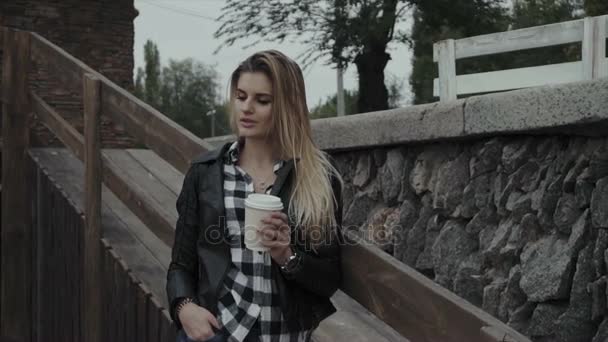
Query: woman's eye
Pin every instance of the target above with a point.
(264, 102)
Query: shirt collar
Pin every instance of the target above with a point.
(235, 149)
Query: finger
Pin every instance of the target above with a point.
(269, 234)
(275, 222)
(213, 321)
(280, 215)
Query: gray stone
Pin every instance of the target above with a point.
(408, 214)
(453, 245)
(358, 211)
(566, 213)
(501, 236)
(519, 207)
(547, 148)
(599, 209)
(379, 228)
(503, 199)
(575, 324)
(416, 236)
(601, 244)
(516, 153)
(512, 297)
(571, 177)
(602, 332)
(548, 201)
(491, 296)
(487, 159)
(597, 289)
(540, 282)
(452, 177)
(500, 183)
(425, 259)
(527, 177)
(598, 165)
(391, 175)
(544, 319)
(521, 317)
(580, 231)
(583, 190)
(379, 156)
(365, 171)
(468, 283)
(486, 217)
(421, 177)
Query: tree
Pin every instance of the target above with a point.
(329, 108)
(442, 19)
(152, 74)
(186, 91)
(596, 7)
(338, 31)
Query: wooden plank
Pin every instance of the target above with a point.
(106, 275)
(161, 197)
(600, 33)
(15, 234)
(175, 144)
(588, 47)
(354, 323)
(447, 70)
(131, 319)
(493, 334)
(154, 311)
(517, 78)
(168, 331)
(425, 312)
(159, 168)
(92, 231)
(134, 197)
(521, 39)
(142, 312)
(69, 172)
(172, 142)
(68, 135)
(42, 215)
(121, 275)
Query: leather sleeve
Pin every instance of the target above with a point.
(320, 272)
(182, 274)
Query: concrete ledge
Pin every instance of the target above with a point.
(575, 108)
(536, 109)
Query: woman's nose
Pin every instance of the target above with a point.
(246, 106)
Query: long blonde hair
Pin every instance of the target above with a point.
(312, 199)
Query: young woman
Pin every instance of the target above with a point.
(218, 289)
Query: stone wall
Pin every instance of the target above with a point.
(99, 33)
(516, 225)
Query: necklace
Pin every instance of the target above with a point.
(261, 185)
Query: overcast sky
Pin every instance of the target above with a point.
(184, 28)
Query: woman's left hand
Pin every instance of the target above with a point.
(275, 234)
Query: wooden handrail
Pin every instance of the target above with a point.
(128, 192)
(409, 302)
(169, 140)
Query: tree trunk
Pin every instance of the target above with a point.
(373, 94)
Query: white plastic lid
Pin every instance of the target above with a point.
(264, 202)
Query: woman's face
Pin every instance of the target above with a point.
(253, 104)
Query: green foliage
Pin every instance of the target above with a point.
(185, 91)
(596, 7)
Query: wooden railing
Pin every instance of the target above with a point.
(591, 31)
(413, 305)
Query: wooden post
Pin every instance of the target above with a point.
(588, 47)
(340, 94)
(16, 234)
(91, 300)
(600, 69)
(443, 53)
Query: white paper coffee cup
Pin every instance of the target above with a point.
(258, 206)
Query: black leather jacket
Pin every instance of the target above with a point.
(201, 255)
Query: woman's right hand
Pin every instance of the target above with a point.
(197, 322)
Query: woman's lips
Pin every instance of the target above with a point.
(247, 123)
